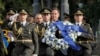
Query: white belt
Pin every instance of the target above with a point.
(23, 41)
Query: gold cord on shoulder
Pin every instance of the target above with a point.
(16, 31)
(40, 32)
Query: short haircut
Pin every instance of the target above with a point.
(55, 8)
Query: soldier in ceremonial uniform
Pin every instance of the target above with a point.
(9, 13)
(46, 13)
(83, 39)
(26, 40)
(46, 17)
(6, 27)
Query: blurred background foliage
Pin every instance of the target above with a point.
(90, 7)
(16, 4)
(1, 8)
(92, 10)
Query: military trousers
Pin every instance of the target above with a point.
(2, 53)
(82, 52)
(45, 50)
(22, 50)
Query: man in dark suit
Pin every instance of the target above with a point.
(26, 40)
(83, 39)
(53, 35)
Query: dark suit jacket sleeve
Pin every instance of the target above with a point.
(89, 35)
(35, 41)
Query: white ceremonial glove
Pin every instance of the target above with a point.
(34, 55)
(14, 17)
(79, 33)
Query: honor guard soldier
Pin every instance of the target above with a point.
(6, 28)
(10, 12)
(26, 39)
(46, 22)
(46, 17)
(83, 39)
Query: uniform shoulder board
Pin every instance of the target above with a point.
(87, 24)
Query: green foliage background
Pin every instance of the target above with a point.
(92, 12)
(1, 8)
(16, 4)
